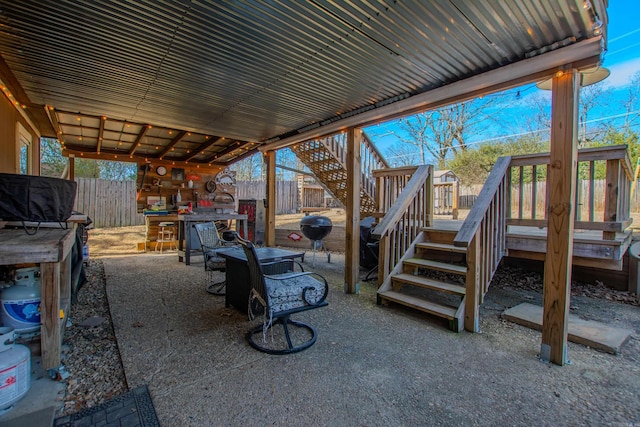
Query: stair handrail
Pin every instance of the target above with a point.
(400, 206)
(484, 201)
(484, 234)
(411, 211)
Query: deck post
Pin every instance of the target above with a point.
(611, 197)
(352, 226)
(472, 297)
(270, 208)
(561, 197)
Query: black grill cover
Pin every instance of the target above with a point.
(35, 198)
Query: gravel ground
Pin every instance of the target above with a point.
(91, 352)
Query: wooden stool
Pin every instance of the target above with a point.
(166, 234)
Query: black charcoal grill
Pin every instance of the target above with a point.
(316, 228)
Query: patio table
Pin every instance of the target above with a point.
(237, 271)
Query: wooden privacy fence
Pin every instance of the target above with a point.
(113, 203)
(286, 194)
(108, 203)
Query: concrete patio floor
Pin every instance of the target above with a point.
(371, 365)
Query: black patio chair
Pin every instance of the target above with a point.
(210, 242)
(277, 297)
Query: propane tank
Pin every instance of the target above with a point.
(15, 369)
(21, 302)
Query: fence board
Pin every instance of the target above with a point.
(286, 199)
(108, 203)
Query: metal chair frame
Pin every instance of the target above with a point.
(307, 289)
(210, 242)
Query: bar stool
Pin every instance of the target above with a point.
(166, 234)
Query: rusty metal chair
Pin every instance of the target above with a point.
(277, 296)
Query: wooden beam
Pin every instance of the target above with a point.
(235, 145)
(270, 208)
(561, 196)
(136, 143)
(206, 146)
(100, 133)
(172, 144)
(296, 170)
(583, 54)
(352, 226)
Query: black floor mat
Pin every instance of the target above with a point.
(133, 408)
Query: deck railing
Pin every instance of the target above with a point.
(527, 179)
(446, 198)
(483, 233)
(406, 196)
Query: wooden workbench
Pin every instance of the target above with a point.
(51, 249)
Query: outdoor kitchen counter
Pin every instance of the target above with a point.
(187, 237)
(51, 248)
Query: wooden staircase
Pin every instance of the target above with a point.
(326, 158)
(431, 278)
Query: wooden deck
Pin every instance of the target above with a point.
(589, 248)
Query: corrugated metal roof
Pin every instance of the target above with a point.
(249, 71)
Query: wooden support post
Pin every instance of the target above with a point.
(472, 297)
(454, 201)
(352, 226)
(50, 314)
(270, 208)
(561, 196)
(611, 196)
(72, 168)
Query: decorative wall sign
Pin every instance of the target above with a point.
(177, 174)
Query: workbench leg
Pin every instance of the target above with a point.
(50, 339)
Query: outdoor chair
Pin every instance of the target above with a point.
(279, 295)
(210, 242)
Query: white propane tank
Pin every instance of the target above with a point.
(21, 302)
(15, 370)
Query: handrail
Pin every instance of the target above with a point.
(376, 154)
(483, 202)
(402, 203)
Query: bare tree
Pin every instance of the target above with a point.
(249, 169)
(440, 132)
(591, 96)
(631, 104)
(401, 154)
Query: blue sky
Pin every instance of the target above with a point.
(622, 59)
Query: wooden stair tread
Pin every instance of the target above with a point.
(420, 304)
(444, 247)
(436, 265)
(426, 282)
